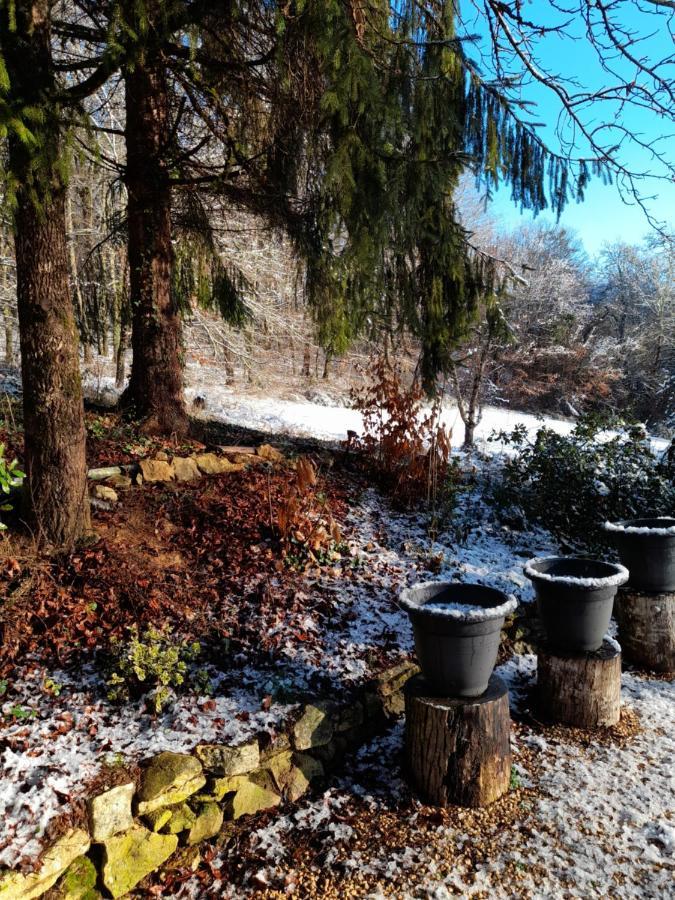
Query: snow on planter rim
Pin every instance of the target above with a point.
(411, 600)
(623, 527)
(619, 577)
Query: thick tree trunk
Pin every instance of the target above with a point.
(458, 751)
(584, 690)
(156, 384)
(52, 394)
(647, 628)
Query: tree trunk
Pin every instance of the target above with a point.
(469, 433)
(647, 628)
(458, 751)
(584, 690)
(54, 428)
(75, 281)
(9, 335)
(156, 384)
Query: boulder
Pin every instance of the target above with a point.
(293, 772)
(78, 882)
(279, 766)
(169, 779)
(181, 819)
(305, 769)
(246, 795)
(207, 823)
(210, 464)
(103, 492)
(16, 886)
(390, 684)
(185, 468)
(221, 759)
(120, 482)
(157, 819)
(350, 717)
(270, 453)
(129, 857)
(110, 812)
(156, 470)
(313, 729)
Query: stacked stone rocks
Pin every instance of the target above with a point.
(183, 799)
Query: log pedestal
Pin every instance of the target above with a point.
(647, 628)
(458, 750)
(583, 690)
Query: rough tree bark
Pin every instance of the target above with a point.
(647, 628)
(458, 751)
(156, 383)
(54, 429)
(584, 690)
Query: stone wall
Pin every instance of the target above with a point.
(184, 799)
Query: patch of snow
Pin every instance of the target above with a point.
(412, 599)
(627, 528)
(619, 577)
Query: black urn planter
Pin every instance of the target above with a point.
(575, 598)
(647, 548)
(457, 628)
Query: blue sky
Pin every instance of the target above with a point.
(603, 216)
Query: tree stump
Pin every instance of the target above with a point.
(458, 751)
(583, 690)
(647, 628)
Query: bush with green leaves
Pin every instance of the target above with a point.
(10, 475)
(154, 664)
(571, 484)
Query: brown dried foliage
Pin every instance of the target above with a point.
(303, 520)
(404, 446)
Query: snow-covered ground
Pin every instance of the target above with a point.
(52, 745)
(303, 418)
(591, 819)
(597, 818)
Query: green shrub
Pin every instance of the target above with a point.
(573, 483)
(153, 664)
(9, 476)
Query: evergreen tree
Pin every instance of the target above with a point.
(34, 173)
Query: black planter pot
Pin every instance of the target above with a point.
(647, 548)
(457, 629)
(575, 598)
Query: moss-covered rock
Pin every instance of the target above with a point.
(207, 823)
(313, 729)
(279, 766)
(269, 453)
(110, 812)
(350, 717)
(245, 795)
(157, 819)
(305, 770)
(129, 857)
(169, 779)
(223, 760)
(293, 773)
(182, 818)
(78, 882)
(390, 684)
(15, 886)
